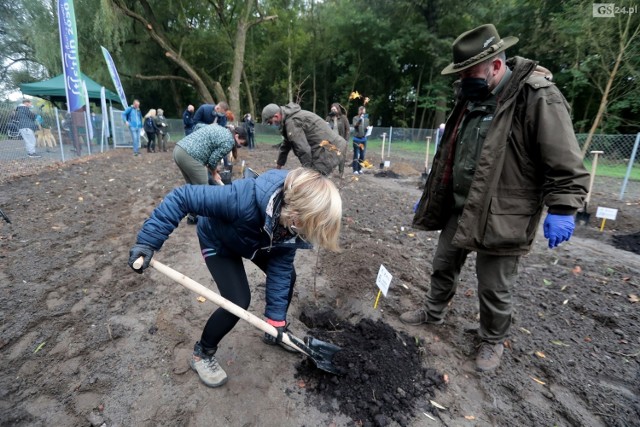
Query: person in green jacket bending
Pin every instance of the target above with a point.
(311, 139)
(206, 147)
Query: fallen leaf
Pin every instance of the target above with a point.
(526, 331)
(633, 298)
(201, 299)
(563, 288)
(576, 270)
(560, 343)
(546, 282)
(469, 417)
(626, 279)
(39, 347)
(112, 179)
(80, 198)
(429, 416)
(411, 235)
(565, 302)
(538, 381)
(587, 339)
(437, 405)
(541, 355)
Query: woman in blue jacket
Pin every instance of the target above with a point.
(266, 220)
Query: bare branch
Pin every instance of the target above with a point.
(179, 78)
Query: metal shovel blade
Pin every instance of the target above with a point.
(320, 352)
(582, 217)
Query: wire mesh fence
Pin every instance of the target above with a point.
(60, 137)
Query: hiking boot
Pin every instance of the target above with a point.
(207, 366)
(489, 356)
(271, 340)
(418, 317)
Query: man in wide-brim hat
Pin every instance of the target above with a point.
(508, 149)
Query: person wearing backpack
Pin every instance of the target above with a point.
(151, 129)
(133, 120)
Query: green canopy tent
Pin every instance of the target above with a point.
(53, 90)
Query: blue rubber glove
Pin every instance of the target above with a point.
(558, 228)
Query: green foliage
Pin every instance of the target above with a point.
(321, 51)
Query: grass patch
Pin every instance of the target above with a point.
(418, 149)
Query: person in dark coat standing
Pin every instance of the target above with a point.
(339, 123)
(187, 119)
(508, 149)
(265, 220)
(249, 127)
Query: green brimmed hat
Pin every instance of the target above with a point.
(475, 46)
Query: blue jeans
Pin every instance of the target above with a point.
(358, 154)
(135, 136)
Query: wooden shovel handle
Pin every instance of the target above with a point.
(216, 299)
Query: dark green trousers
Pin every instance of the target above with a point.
(496, 278)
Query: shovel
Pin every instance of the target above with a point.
(319, 351)
(582, 217)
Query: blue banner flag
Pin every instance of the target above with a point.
(70, 55)
(114, 76)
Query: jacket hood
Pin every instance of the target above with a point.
(267, 184)
(521, 68)
(289, 110)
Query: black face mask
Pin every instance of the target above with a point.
(474, 89)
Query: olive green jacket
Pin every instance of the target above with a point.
(530, 158)
(311, 138)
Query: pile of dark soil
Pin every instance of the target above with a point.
(627, 242)
(383, 378)
(387, 174)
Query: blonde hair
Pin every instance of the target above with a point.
(150, 113)
(313, 202)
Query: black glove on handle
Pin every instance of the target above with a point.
(137, 251)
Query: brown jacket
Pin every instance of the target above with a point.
(311, 138)
(530, 158)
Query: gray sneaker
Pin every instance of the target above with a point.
(418, 317)
(489, 356)
(207, 367)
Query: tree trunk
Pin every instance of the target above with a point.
(289, 70)
(177, 99)
(625, 41)
(157, 35)
(252, 107)
(239, 46)
(603, 105)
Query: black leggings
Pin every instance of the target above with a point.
(151, 144)
(229, 275)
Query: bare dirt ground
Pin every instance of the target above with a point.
(85, 341)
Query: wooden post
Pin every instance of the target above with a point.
(384, 137)
(594, 166)
(426, 159)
